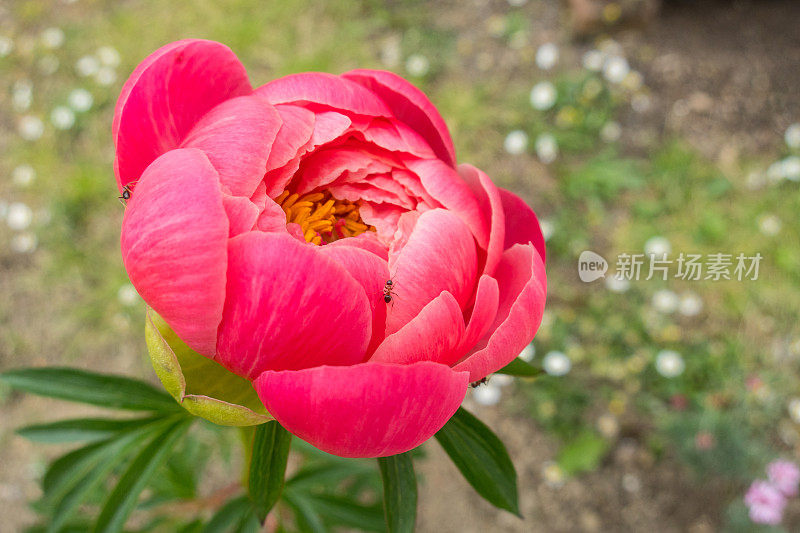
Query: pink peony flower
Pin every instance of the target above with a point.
(766, 503)
(263, 226)
(785, 476)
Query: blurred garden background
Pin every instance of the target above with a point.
(628, 128)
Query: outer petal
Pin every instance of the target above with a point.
(166, 95)
(366, 410)
(491, 205)
(410, 105)
(433, 335)
(371, 272)
(289, 307)
(237, 136)
(522, 226)
(523, 286)
(174, 245)
(324, 89)
(484, 311)
(439, 256)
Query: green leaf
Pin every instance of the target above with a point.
(327, 474)
(399, 492)
(71, 384)
(87, 475)
(122, 500)
(481, 458)
(79, 429)
(347, 513)
(583, 453)
(521, 368)
(270, 452)
(306, 516)
(232, 517)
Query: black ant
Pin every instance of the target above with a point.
(388, 289)
(479, 382)
(127, 190)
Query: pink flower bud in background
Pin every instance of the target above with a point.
(785, 476)
(766, 503)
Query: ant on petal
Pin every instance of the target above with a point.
(388, 291)
(479, 382)
(127, 191)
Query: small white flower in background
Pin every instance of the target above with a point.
(48, 64)
(528, 353)
(62, 117)
(657, 246)
(391, 53)
(547, 56)
(790, 168)
(670, 363)
(547, 229)
(691, 304)
(793, 407)
(127, 295)
(517, 3)
(23, 175)
(641, 103)
(546, 148)
(501, 380)
(486, 394)
(552, 474)
(631, 483)
(556, 363)
(543, 96)
(19, 216)
(53, 37)
(87, 66)
(80, 100)
(22, 95)
(516, 142)
(769, 225)
(755, 180)
(665, 301)
(24, 243)
(593, 60)
(6, 46)
(108, 56)
(611, 132)
(618, 285)
(30, 127)
(615, 69)
(106, 76)
(417, 65)
(775, 172)
(792, 136)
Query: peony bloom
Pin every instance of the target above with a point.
(766, 503)
(785, 476)
(263, 226)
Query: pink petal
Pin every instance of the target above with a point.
(410, 105)
(366, 410)
(366, 241)
(484, 311)
(521, 279)
(174, 245)
(324, 166)
(324, 89)
(433, 335)
(242, 214)
(289, 307)
(237, 135)
(166, 95)
(371, 272)
(439, 256)
(396, 136)
(522, 226)
(273, 218)
(447, 187)
(491, 204)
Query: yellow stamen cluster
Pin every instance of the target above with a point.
(322, 217)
